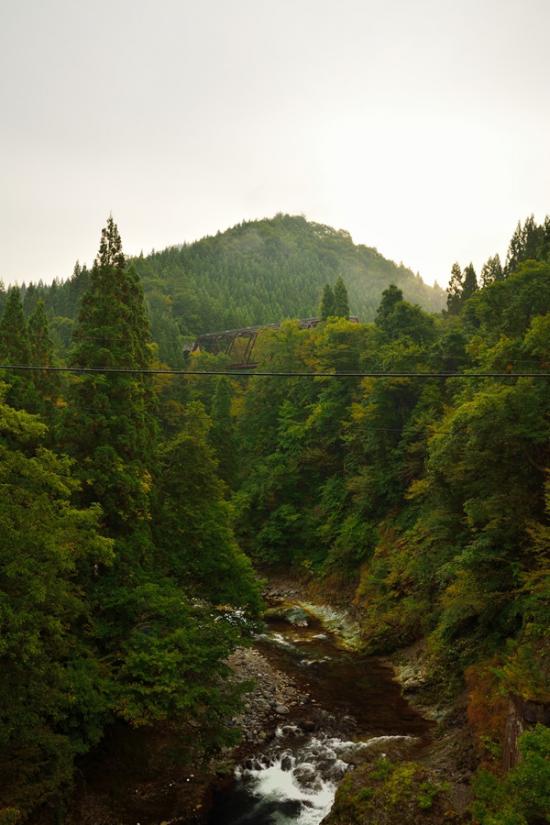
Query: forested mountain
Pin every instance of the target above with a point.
(257, 272)
(265, 271)
(131, 506)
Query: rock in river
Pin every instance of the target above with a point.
(292, 614)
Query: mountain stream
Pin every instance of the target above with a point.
(352, 710)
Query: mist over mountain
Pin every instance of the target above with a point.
(257, 272)
(266, 270)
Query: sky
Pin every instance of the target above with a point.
(420, 126)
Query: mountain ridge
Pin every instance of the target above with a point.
(262, 260)
(256, 272)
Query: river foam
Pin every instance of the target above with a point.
(296, 782)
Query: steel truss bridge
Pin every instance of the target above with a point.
(239, 344)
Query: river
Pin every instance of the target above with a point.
(354, 709)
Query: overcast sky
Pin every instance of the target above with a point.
(421, 126)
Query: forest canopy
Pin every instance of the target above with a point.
(133, 507)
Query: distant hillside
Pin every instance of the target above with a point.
(257, 272)
(264, 271)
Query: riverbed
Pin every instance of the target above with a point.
(350, 710)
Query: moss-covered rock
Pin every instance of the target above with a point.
(292, 614)
(387, 793)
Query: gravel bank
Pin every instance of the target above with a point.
(274, 695)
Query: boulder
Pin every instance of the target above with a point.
(292, 614)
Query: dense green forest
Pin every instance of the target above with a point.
(117, 572)
(258, 272)
(131, 505)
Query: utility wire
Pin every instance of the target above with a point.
(280, 374)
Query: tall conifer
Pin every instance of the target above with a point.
(454, 290)
(41, 355)
(14, 339)
(14, 349)
(492, 271)
(469, 285)
(341, 302)
(390, 297)
(109, 424)
(327, 303)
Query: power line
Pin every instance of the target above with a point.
(272, 374)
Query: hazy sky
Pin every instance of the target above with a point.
(421, 126)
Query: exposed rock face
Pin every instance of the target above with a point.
(521, 714)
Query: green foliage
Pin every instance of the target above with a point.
(268, 270)
(454, 291)
(469, 285)
(529, 242)
(173, 663)
(492, 271)
(326, 309)
(341, 303)
(49, 680)
(385, 792)
(427, 793)
(105, 615)
(522, 796)
(15, 350)
(46, 384)
(428, 494)
(222, 432)
(108, 425)
(192, 521)
(122, 586)
(14, 342)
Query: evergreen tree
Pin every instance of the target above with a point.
(515, 250)
(454, 290)
(341, 303)
(532, 239)
(529, 241)
(40, 343)
(390, 298)
(327, 303)
(41, 355)
(192, 524)
(76, 287)
(109, 426)
(492, 271)
(14, 340)
(30, 297)
(469, 283)
(157, 646)
(15, 349)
